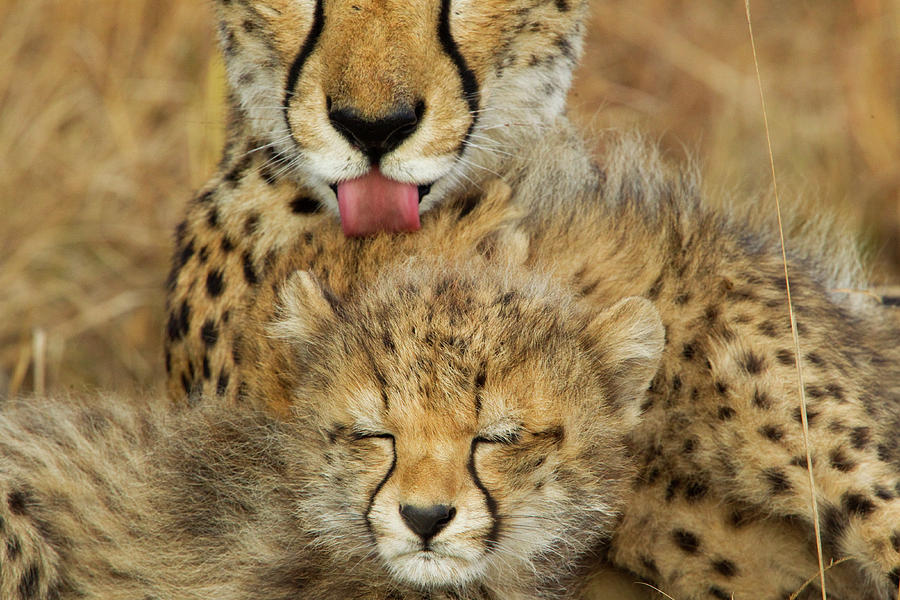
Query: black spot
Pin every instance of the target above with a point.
(251, 225)
(834, 523)
(857, 505)
(835, 391)
(719, 593)
(206, 372)
(649, 565)
(883, 493)
(725, 568)
(726, 413)
(810, 415)
(814, 391)
(237, 172)
(798, 461)
(895, 574)
(480, 380)
(721, 388)
(205, 197)
(777, 480)
(562, 5)
(753, 363)
(815, 359)
(565, 46)
(388, 342)
(215, 283)
(895, 541)
(785, 357)
(773, 433)
(222, 383)
(836, 426)
(686, 540)
(682, 299)
(672, 488)
(739, 517)
(249, 271)
(688, 351)
(204, 254)
(186, 383)
(689, 446)
(13, 548)
(304, 205)
(266, 172)
(655, 288)
(210, 333)
(676, 383)
(172, 330)
(231, 44)
(841, 461)
(186, 253)
(860, 437)
(711, 314)
(695, 490)
(212, 217)
(179, 324)
(466, 205)
(761, 400)
(227, 245)
(18, 502)
(29, 583)
(768, 329)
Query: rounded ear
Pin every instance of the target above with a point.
(628, 341)
(303, 304)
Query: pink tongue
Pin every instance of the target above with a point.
(375, 203)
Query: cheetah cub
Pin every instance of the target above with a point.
(457, 433)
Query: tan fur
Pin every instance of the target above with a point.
(722, 472)
(109, 498)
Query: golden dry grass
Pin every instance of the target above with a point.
(111, 114)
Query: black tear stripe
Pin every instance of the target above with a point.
(470, 90)
(309, 45)
(378, 488)
(491, 538)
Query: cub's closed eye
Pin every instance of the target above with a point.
(370, 435)
(507, 438)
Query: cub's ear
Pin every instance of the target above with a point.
(628, 342)
(304, 304)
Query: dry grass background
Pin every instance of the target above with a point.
(111, 114)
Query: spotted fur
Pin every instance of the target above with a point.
(105, 498)
(723, 499)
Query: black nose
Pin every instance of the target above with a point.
(427, 522)
(377, 138)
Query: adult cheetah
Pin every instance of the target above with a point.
(445, 96)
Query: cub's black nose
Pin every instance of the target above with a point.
(428, 521)
(377, 138)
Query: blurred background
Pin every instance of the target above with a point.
(111, 114)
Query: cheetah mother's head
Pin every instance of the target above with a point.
(471, 427)
(383, 107)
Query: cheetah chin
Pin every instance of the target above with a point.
(433, 569)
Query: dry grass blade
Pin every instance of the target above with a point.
(795, 334)
(655, 589)
(809, 581)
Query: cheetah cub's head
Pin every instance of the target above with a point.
(472, 424)
(393, 103)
